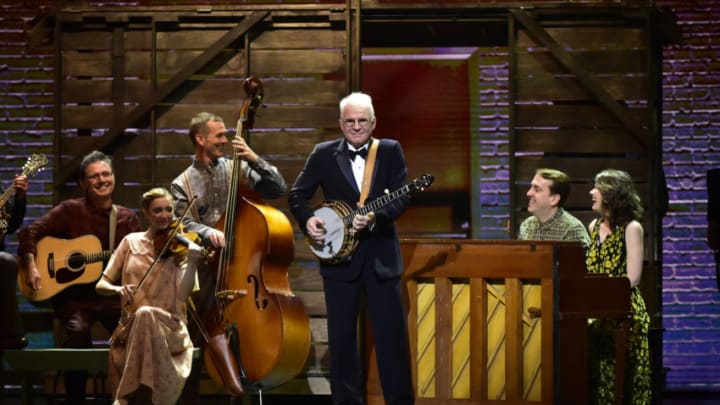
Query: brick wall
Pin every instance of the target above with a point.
(26, 99)
(489, 127)
(691, 146)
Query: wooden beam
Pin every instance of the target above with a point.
(353, 52)
(41, 32)
(107, 141)
(575, 66)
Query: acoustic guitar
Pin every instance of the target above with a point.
(63, 263)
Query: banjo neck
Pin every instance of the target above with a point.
(379, 202)
(420, 183)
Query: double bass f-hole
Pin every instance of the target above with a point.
(259, 303)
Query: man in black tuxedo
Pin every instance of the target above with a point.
(374, 268)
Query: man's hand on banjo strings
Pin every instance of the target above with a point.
(361, 222)
(316, 229)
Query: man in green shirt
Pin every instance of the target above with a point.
(549, 221)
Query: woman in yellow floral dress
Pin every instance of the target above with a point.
(616, 249)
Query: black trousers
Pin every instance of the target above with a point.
(387, 318)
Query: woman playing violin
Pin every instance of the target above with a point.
(150, 350)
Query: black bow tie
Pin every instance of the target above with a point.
(362, 153)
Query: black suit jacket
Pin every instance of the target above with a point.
(328, 167)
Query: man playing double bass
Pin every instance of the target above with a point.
(208, 179)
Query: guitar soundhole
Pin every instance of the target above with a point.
(76, 265)
(76, 261)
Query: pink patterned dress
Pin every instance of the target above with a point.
(151, 345)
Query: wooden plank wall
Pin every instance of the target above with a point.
(111, 64)
(558, 122)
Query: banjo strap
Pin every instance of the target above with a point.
(367, 174)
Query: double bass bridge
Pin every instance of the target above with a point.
(230, 295)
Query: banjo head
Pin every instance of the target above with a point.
(338, 242)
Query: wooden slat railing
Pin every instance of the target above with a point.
(496, 320)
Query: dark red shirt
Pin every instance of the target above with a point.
(73, 218)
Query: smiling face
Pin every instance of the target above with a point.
(597, 201)
(357, 125)
(212, 142)
(541, 202)
(99, 181)
(159, 213)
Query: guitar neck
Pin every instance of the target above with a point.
(377, 203)
(97, 256)
(6, 196)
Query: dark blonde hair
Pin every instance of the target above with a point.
(619, 197)
(158, 192)
(560, 182)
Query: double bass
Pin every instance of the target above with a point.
(266, 325)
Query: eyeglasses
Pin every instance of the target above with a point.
(96, 176)
(349, 123)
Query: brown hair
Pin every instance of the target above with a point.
(619, 196)
(560, 182)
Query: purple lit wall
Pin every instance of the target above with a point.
(691, 146)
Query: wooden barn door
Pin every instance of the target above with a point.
(585, 97)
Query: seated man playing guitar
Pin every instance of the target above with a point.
(11, 214)
(13, 203)
(77, 306)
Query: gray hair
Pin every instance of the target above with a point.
(199, 124)
(92, 157)
(358, 99)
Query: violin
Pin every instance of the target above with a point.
(175, 240)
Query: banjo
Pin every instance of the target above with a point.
(339, 241)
